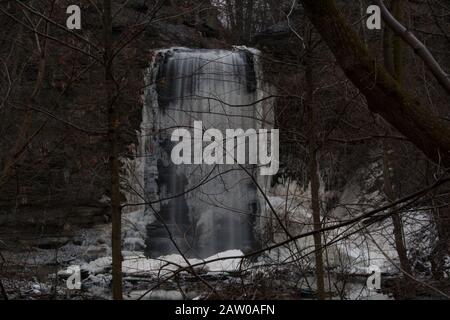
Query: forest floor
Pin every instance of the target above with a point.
(35, 273)
(283, 273)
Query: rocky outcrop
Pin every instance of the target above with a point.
(60, 181)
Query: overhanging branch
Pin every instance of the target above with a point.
(419, 48)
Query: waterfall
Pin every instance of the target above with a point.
(200, 209)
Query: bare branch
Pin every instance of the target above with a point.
(419, 48)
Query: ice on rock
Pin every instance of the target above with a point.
(134, 244)
(136, 265)
(230, 261)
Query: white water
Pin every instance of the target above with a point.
(206, 209)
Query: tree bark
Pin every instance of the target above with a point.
(394, 64)
(249, 14)
(384, 94)
(239, 7)
(398, 225)
(419, 48)
(441, 215)
(397, 46)
(114, 165)
(315, 182)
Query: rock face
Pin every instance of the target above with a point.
(60, 180)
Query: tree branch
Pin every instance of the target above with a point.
(385, 96)
(419, 48)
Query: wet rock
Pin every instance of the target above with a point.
(94, 252)
(51, 243)
(134, 244)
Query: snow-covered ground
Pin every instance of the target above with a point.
(136, 264)
(357, 250)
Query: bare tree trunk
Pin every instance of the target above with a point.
(397, 43)
(393, 63)
(315, 182)
(2, 288)
(239, 7)
(419, 48)
(3, 291)
(114, 166)
(249, 14)
(441, 215)
(231, 14)
(398, 225)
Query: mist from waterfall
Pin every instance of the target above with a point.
(200, 209)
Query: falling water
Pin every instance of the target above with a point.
(200, 209)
